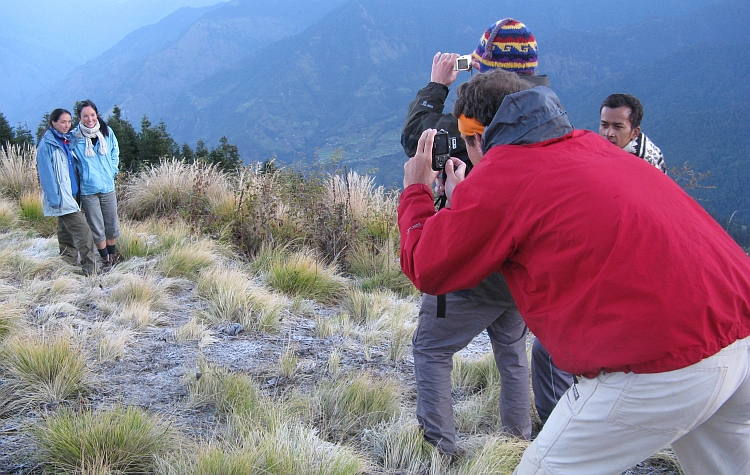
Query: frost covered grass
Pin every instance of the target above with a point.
(319, 382)
(44, 370)
(119, 440)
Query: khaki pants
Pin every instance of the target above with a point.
(75, 240)
(610, 423)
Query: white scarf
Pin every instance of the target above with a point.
(89, 134)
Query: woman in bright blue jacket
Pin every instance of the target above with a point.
(95, 146)
(60, 186)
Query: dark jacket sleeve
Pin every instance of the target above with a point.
(426, 112)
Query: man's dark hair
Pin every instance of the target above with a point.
(480, 98)
(613, 101)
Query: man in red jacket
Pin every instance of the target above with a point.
(622, 276)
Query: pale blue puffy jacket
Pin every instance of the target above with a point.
(97, 173)
(52, 166)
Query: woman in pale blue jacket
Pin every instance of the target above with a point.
(95, 146)
(60, 186)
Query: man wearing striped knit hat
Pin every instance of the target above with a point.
(449, 322)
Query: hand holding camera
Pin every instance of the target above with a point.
(463, 63)
(442, 146)
(418, 168)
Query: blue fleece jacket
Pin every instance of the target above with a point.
(97, 173)
(54, 176)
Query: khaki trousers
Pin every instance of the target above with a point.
(610, 423)
(75, 240)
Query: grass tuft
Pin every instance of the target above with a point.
(146, 291)
(498, 455)
(121, 440)
(473, 375)
(229, 393)
(399, 446)
(349, 406)
(43, 370)
(32, 213)
(302, 274)
(172, 185)
(187, 260)
(18, 171)
(8, 216)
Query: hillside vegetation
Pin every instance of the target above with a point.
(257, 324)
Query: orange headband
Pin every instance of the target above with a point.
(469, 126)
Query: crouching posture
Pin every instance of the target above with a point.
(622, 276)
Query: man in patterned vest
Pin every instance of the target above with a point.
(620, 118)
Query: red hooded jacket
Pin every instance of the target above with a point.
(613, 266)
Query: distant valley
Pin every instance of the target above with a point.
(300, 80)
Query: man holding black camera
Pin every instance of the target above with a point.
(587, 237)
(448, 323)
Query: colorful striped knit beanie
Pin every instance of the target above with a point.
(507, 45)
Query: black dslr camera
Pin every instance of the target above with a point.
(442, 146)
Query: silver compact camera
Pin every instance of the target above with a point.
(463, 63)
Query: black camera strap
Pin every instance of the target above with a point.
(441, 306)
(440, 203)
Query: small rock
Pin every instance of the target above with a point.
(232, 329)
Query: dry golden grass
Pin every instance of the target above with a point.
(33, 214)
(120, 440)
(18, 171)
(188, 259)
(173, 185)
(303, 274)
(9, 215)
(147, 291)
(44, 369)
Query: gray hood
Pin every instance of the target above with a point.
(527, 117)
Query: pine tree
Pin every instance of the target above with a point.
(226, 156)
(42, 127)
(127, 139)
(6, 131)
(155, 144)
(22, 136)
(201, 152)
(187, 154)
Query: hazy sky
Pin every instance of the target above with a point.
(84, 28)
